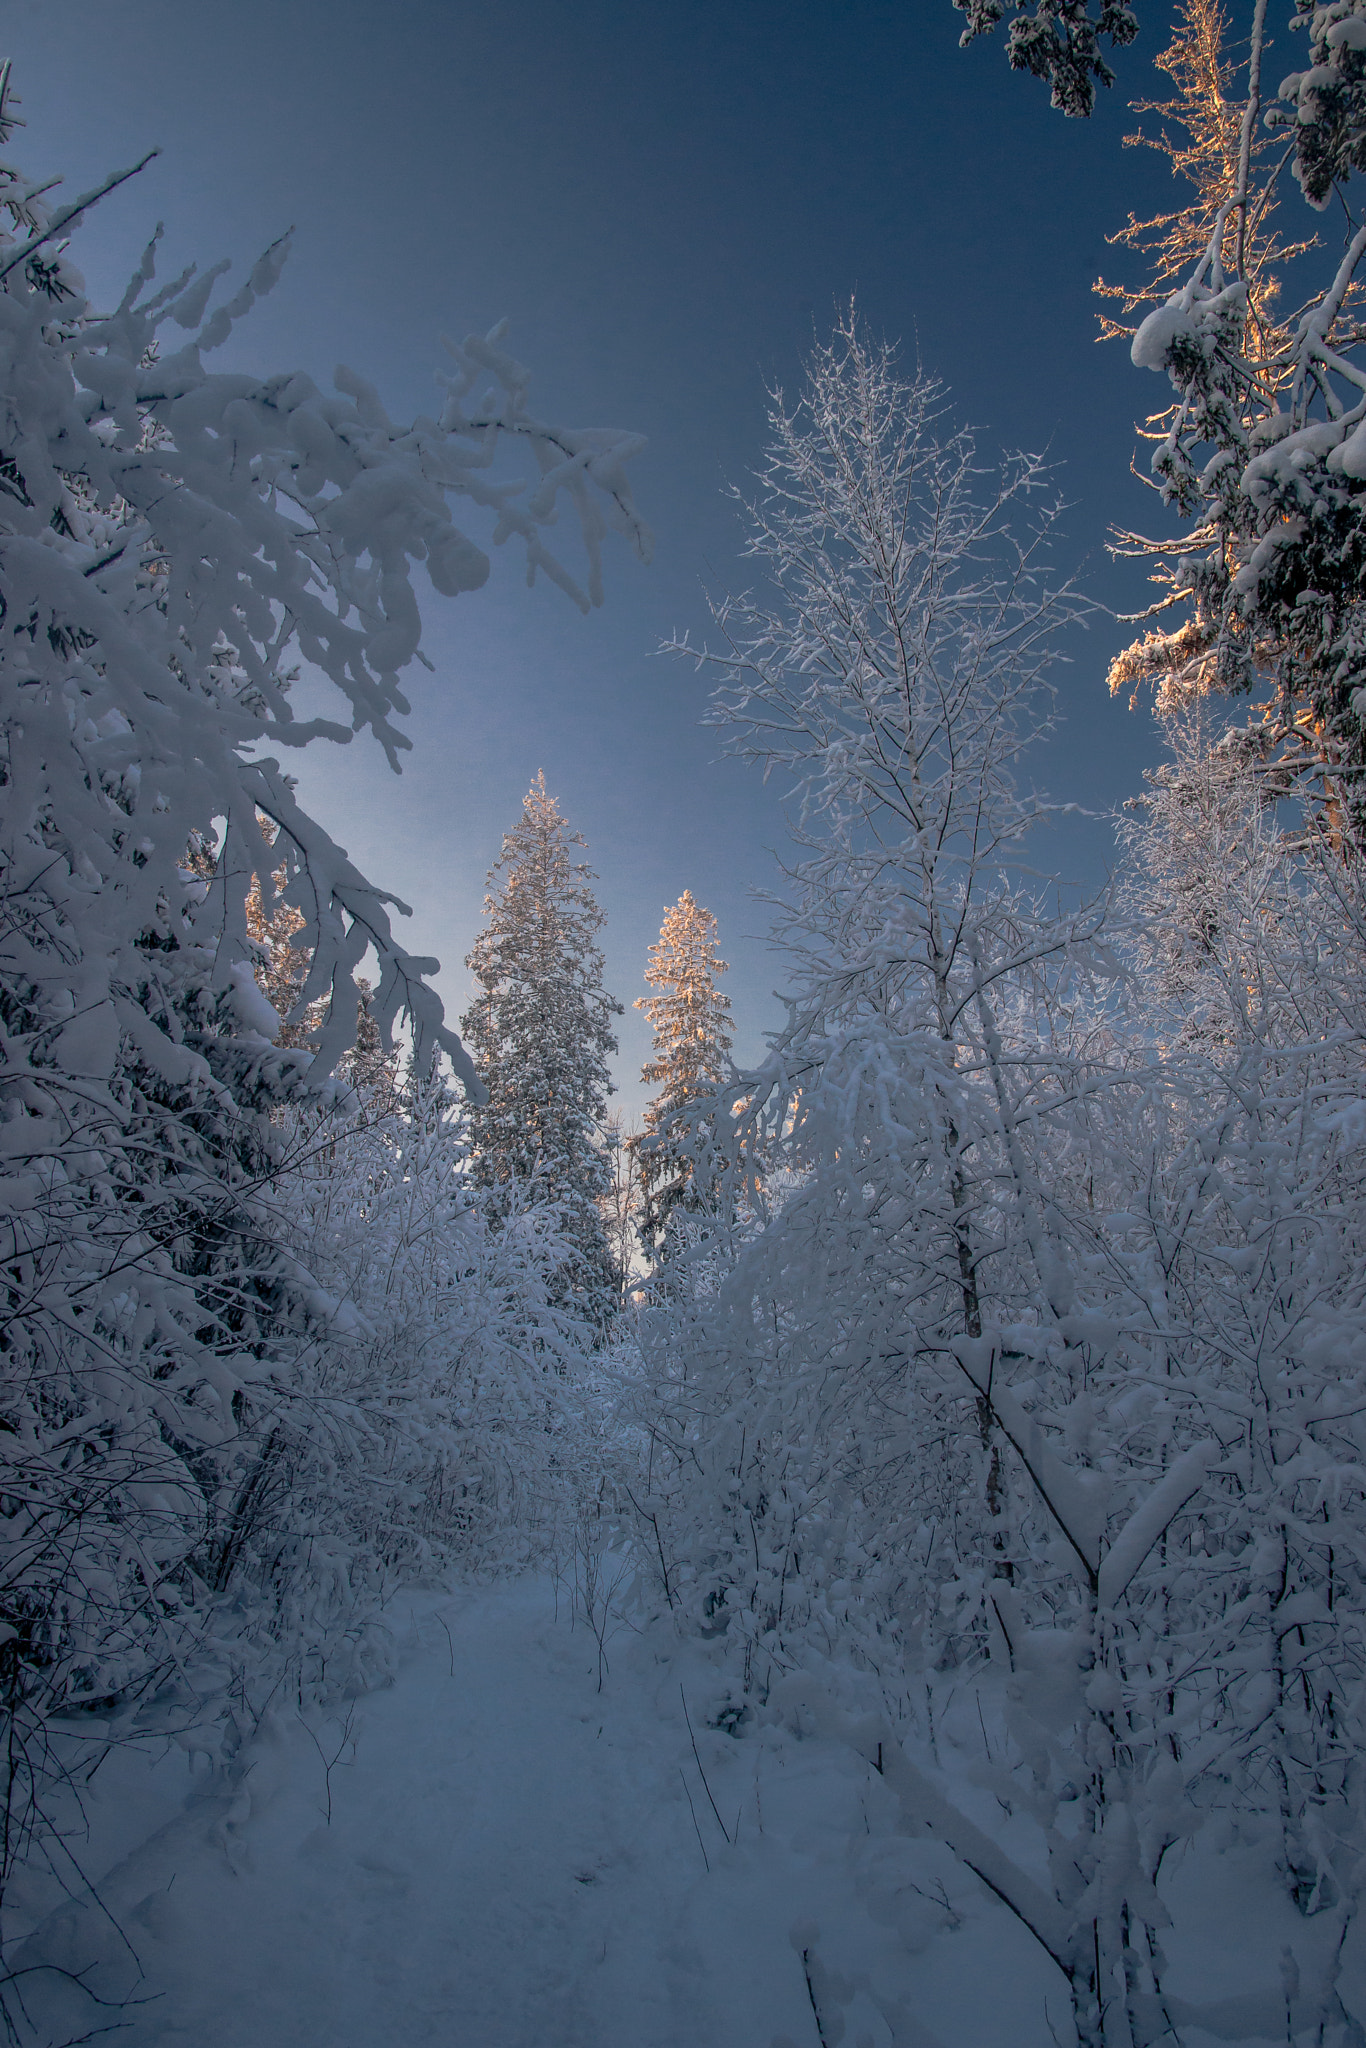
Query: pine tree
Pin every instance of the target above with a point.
(691, 1020)
(540, 1032)
(1058, 41)
(280, 967)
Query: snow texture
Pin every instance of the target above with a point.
(494, 1854)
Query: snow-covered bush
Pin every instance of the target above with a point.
(459, 1381)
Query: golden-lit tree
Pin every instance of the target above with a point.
(281, 966)
(1200, 134)
(1257, 452)
(691, 1020)
(1262, 453)
(281, 969)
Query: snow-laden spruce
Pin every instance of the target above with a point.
(540, 1029)
(174, 540)
(690, 1018)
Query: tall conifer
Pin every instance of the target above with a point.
(691, 1020)
(540, 1032)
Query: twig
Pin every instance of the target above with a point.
(982, 1724)
(653, 1521)
(64, 217)
(701, 1773)
(329, 1764)
(811, 1994)
(697, 1830)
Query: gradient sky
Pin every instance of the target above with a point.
(666, 201)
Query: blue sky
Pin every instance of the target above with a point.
(666, 201)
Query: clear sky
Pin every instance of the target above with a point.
(666, 200)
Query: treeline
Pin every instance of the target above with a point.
(1025, 1352)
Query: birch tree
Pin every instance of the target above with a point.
(1039, 1364)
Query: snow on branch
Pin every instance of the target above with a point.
(176, 538)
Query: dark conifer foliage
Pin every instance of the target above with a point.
(540, 1031)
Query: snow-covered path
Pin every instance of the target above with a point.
(506, 1863)
(512, 1861)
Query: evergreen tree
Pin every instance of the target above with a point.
(1259, 447)
(540, 1032)
(1200, 135)
(280, 967)
(691, 1020)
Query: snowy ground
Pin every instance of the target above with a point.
(515, 1860)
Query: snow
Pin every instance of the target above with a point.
(491, 1853)
(89, 1043)
(1157, 331)
(1350, 457)
(512, 1860)
(1006, 1564)
(252, 1010)
(1141, 1531)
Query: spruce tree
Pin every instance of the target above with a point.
(1259, 439)
(691, 1020)
(540, 1032)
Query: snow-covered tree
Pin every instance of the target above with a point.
(690, 1017)
(893, 664)
(620, 1207)
(1261, 454)
(1050, 1347)
(173, 539)
(1199, 131)
(1058, 41)
(540, 1031)
(1249, 945)
(1214, 877)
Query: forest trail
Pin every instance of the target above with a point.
(512, 1861)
